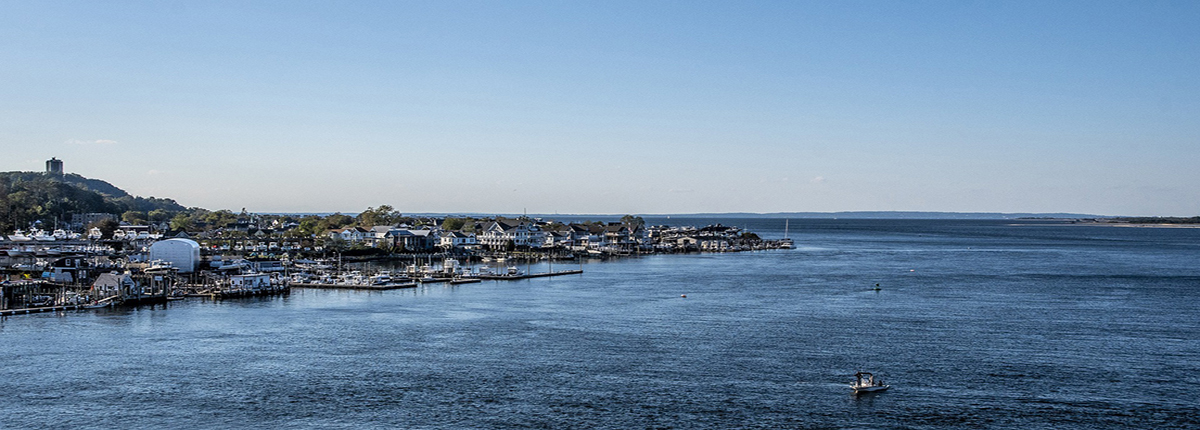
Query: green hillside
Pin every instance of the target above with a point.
(26, 197)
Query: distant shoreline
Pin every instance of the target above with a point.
(1141, 225)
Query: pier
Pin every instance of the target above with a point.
(370, 287)
(11, 312)
(529, 276)
(220, 293)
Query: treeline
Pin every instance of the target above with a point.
(198, 219)
(27, 198)
(1159, 220)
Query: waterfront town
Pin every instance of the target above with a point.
(91, 260)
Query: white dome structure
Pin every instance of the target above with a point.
(183, 254)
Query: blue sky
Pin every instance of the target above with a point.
(613, 107)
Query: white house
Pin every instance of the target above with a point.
(456, 239)
(349, 234)
(500, 233)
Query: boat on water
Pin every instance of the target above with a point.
(786, 242)
(865, 382)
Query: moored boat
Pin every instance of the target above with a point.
(19, 236)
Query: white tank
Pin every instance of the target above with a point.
(183, 254)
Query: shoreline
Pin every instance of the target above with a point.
(1138, 225)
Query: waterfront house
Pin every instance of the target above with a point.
(114, 284)
(456, 239)
(349, 234)
(500, 233)
(419, 240)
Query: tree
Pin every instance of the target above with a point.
(159, 216)
(631, 220)
(219, 219)
(383, 215)
(337, 220)
(134, 217)
(181, 222)
(454, 224)
(309, 226)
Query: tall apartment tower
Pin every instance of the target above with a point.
(54, 165)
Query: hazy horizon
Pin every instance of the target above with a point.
(614, 107)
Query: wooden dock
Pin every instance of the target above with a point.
(529, 276)
(11, 312)
(354, 286)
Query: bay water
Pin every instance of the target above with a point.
(975, 324)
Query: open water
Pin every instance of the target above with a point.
(979, 324)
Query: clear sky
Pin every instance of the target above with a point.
(612, 106)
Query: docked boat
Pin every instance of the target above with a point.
(383, 278)
(107, 302)
(17, 251)
(41, 235)
(865, 382)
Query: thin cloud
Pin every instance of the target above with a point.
(91, 142)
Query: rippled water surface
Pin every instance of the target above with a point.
(977, 325)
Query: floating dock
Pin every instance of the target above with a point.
(354, 286)
(10, 312)
(533, 275)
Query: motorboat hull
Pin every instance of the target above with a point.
(871, 389)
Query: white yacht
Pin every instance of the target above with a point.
(19, 236)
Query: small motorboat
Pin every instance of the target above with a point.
(102, 303)
(865, 382)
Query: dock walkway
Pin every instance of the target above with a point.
(354, 286)
(532, 275)
(10, 312)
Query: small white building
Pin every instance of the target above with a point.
(251, 281)
(183, 254)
